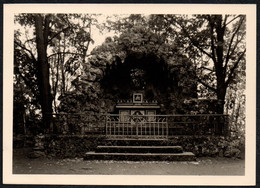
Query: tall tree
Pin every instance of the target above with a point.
(216, 44)
(44, 31)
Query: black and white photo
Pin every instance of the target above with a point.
(145, 92)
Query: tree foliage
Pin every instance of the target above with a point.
(215, 43)
(140, 59)
(39, 49)
(168, 55)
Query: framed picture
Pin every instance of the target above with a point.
(138, 98)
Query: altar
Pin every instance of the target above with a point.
(137, 107)
(136, 117)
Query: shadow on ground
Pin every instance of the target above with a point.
(202, 166)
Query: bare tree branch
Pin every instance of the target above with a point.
(231, 41)
(192, 41)
(206, 85)
(232, 52)
(230, 76)
(57, 34)
(233, 20)
(212, 40)
(207, 69)
(28, 41)
(62, 53)
(28, 83)
(224, 22)
(23, 47)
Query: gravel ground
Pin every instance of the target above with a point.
(203, 166)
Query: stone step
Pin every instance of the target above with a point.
(185, 156)
(135, 142)
(139, 149)
(136, 138)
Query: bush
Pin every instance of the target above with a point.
(70, 146)
(212, 146)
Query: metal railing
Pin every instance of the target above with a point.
(199, 124)
(136, 125)
(155, 126)
(78, 123)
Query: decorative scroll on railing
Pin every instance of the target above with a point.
(136, 126)
(155, 126)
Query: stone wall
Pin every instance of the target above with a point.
(70, 146)
(201, 146)
(211, 146)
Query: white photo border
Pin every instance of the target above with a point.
(250, 160)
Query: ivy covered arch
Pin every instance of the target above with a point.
(137, 60)
(146, 73)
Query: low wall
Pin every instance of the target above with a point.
(70, 146)
(202, 146)
(211, 146)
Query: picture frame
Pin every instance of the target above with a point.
(137, 98)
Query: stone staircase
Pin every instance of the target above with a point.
(139, 150)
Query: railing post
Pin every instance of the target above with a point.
(167, 127)
(145, 125)
(123, 131)
(127, 123)
(106, 124)
(226, 124)
(158, 128)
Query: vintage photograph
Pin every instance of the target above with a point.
(129, 94)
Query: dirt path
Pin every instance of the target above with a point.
(203, 166)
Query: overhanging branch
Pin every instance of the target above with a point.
(206, 85)
(232, 20)
(192, 41)
(57, 34)
(206, 69)
(231, 41)
(28, 83)
(232, 70)
(212, 41)
(23, 47)
(71, 53)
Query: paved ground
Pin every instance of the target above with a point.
(203, 166)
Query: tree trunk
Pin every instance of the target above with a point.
(42, 30)
(221, 94)
(221, 86)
